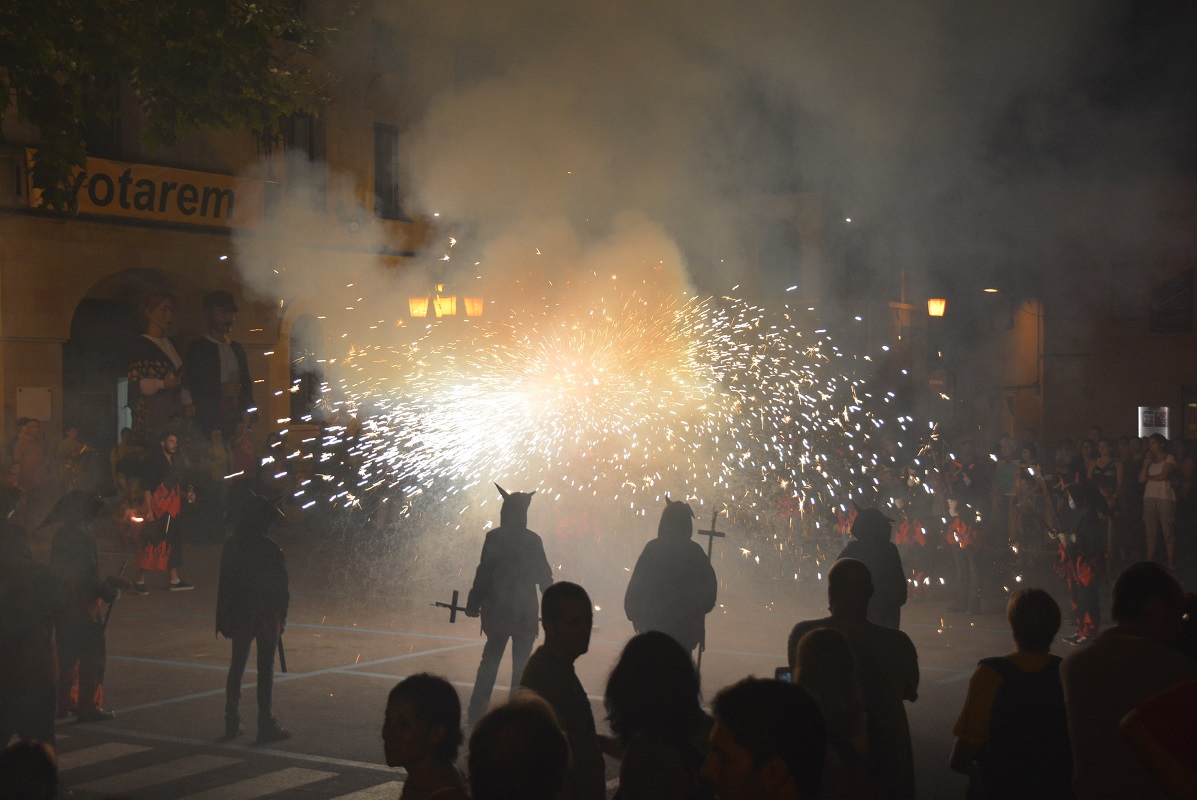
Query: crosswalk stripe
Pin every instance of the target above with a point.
(270, 783)
(383, 791)
(159, 773)
(86, 756)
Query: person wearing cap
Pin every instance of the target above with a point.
(251, 605)
(218, 372)
(871, 545)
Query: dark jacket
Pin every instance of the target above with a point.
(512, 566)
(889, 578)
(672, 589)
(202, 368)
(253, 597)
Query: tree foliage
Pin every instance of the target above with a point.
(192, 65)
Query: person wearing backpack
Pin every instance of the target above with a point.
(1012, 734)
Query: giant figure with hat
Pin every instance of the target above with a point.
(217, 370)
(512, 566)
(673, 585)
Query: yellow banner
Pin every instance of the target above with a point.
(162, 194)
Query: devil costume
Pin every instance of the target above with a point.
(1082, 512)
(512, 566)
(673, 586)
(251, 606)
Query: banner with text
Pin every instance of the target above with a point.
(163, 194)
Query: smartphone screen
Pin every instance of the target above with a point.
(783, 674)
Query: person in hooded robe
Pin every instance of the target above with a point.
(871, 545)
(512, 566)
(673, 586)
(82, 653)
(32, 596)
(252, 599)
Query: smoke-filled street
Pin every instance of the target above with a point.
(166, 675)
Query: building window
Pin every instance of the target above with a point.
(386, 173)
(306, 178)
(385, 52)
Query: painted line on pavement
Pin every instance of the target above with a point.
(346, 669)
(247, 749)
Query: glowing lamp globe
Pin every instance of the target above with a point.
(418, 306)
(936, 306)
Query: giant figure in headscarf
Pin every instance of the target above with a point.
(673, 586)
(512, 566)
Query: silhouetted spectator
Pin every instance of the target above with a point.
(1012, 734)
(32, 596)
(567, 616)
(33, 470)
(251, 608)
(1119, 669)
(1162, 730)
(673, 586)
(826, 669)
(654, 707)
(422, 734)
(512, 566)
(1159, 498)
(969, 497)
(889, 671)
(768, 742)
(871, 546)
(518, 752)
(79, 634)
(68, 457)
(28, 771)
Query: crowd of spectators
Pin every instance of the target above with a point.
(1112, 720)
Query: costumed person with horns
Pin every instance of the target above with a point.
(512, 566)
(251, 606)
(1083, 514)
(673, 586)
(82, 653)
(872, 547)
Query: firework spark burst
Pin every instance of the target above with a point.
(625, 401)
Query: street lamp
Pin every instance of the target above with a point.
(936, 306)
(444, 305)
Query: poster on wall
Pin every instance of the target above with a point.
(1153, 419)
(33, 402)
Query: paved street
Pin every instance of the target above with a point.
(166, 671)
